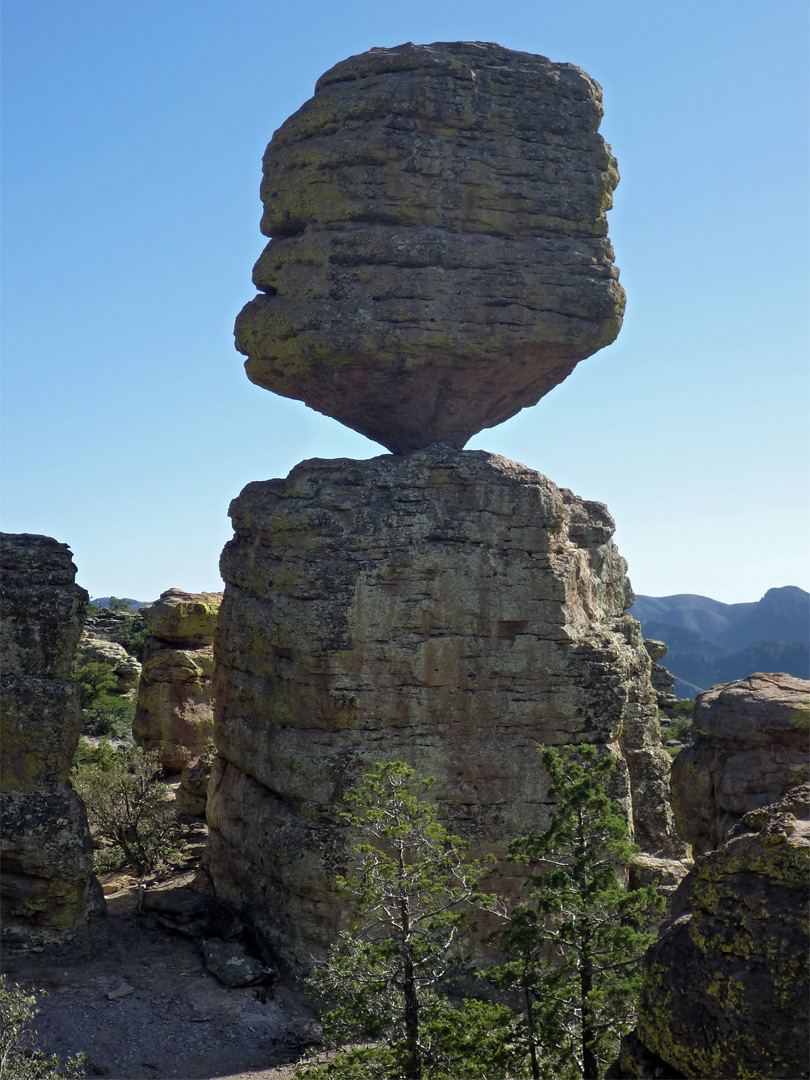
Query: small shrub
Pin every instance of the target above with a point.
(19, 1059)
(127, 808)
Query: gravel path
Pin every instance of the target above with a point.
(145, 1007)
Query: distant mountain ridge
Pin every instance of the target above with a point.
(133, 605)
(711, 642)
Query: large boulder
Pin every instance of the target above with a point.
(439, 256)
(751, 744)
(726, 985)
(175, 713)
(449, 609)
(48, 895)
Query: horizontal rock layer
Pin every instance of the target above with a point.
(449, 609)
(439, 257)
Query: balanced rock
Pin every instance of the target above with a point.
(751, 744)
(450, 609)
(439, 256)
(725, 987)
(175, 712)
(48, 894)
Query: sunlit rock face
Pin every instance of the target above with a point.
(175, 713)
(48, 896)
(450, 609)
(439, 256)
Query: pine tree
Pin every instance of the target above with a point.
(574, 947)
(415, 889)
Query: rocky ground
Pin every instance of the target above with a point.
(145, 1006)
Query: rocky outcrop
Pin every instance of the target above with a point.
(47, 891)
(726, 984)
(175, 709)
(439, 256)
(751, 744)
(449, 609)
(663, 682)
(99, 650)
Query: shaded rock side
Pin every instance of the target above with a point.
(726, 985)
(751, 744)
(175, 713)
(448, 609)
(48, 894)
(439, 256)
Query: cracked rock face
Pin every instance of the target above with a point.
(48, 894)
(450, 609)
(439, 256)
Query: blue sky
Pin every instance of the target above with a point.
(132, 143)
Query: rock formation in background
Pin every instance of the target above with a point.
(100, 650)
(449, 609)
(439, 256)
(726, 984)
(751, 744)
(175, 713)
(48, 894)
(663, 682)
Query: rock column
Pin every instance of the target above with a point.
(449, 609)
(47, 890)
(175, 713)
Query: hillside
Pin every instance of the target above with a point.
(711, 642)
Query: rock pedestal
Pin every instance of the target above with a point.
(175, 712)
(751, 745)
(47, 890)
(449, 609)
(439, 256)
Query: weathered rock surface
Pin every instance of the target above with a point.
(100, 650)
(192, 793)
(726, 984)
(449, 609)
(47, 891)
(751, 745)
(439, 256)
(175, 712)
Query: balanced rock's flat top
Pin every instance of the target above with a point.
(439, 256)
(185, 619)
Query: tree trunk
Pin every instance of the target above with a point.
(590, 1063)
(531, 1029)
(413, 1064)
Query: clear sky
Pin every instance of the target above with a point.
(132, 144)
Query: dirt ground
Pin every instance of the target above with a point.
(146, 1007)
